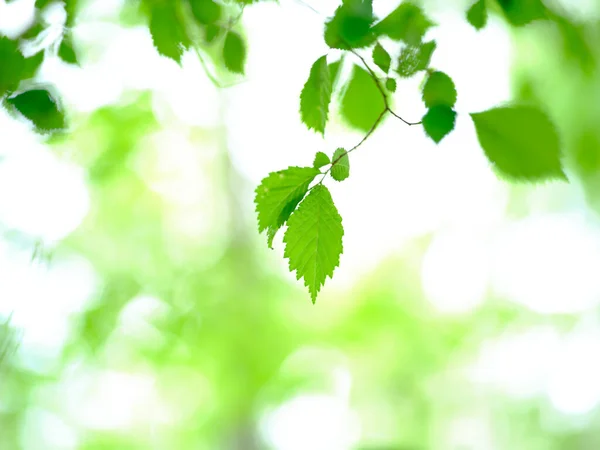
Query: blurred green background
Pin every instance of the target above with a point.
(142, 310)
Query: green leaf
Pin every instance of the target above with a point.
(316, 96)
(340, 169)
(390, 84)
(438, 122)
(206, 11)
(522, 12)
(477, 15)
(313, 239)
(66, 52)
(382, 58)
(439, 90)
(40, 107)
(415, 59)
(406, 23)
(321, 159)
(13, 65)
(278, 195)
(521, 142)
(350, 26)
(234, 52)
(362, 103)
(212, 32)
(167, 33)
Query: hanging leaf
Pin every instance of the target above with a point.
(206, 11)
(350, 26)
(340, 169)
(382, 58)
(212, 32)
(66, 52)
(390, 84)
(439, 90)
(415, 59)
(439, 122)
(313, 239)
(521, 142)
(167, 33)
(477, 15)
(234, 52)
(278, 195)
(362, 102)
(316, 96)
(321, 159)
(40, 107)
(406, 23)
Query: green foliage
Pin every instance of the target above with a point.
(477, 14)
(15, 67)
(212, 33)
(206, 11)
(167, 32)
(350, 26)
(406, 23)
(439, 90)
(278, 195)
(438, 122)
(321, 159)
(313, 240)
(522, 12)
(390, 84)
(414, 59)
(316, 96)
(66, 52)
(40, 107)
(361, 103)
(382, 58)
(234, 52)
(340, 169)
(521, 142)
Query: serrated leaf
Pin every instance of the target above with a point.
(439, 90)
(522, 12)
(438, 122)
(40, 107)
(362, 102)
(313, 239)
(382, 58)
(206, 11)
(477, 15)
(406, 23)
(167, 32)
(234, 52)
(340, 169)
(316, 96)
(321, 159)
(521, 142)
(414, 59)
(66, 52)
(350, 26)
(278, 195)
(390, 84)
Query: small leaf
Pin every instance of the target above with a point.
(278, 195)
(438, 122)
(206, 11)
(406, 23)
(40, 107)
(522, 12)
(521, 142)
(350, 26)
(234, 52)
(439, 90)
(382, 58)
(313, 239)
(167, 33)
(212, 32)
(321, 159)
(340, 169)
(390, 84)
(316, 96)
(362, 102)
(415, 59)
(66, 52)
(477, 15)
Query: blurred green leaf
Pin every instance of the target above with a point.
(234, 52)
(390, 84)
(362, 102)
(477, 14)
(439, 90)
(414, 59)
(313, 239)
(316, 96)
(521, 142)
(40, 107)
(406, 23)
(212, 32)
(522, 12)
(66, 52)
(382, 58)
(15, 67)
(438, 122)
(167, 32)
(321, 159)
(350, 26)
(206, 11)
(340, 170)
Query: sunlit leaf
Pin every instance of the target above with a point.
(390, 84)
(167, 32)
(206, 11)
(316, 96)
(234, 52)
(439, 90)
(340, 169)
(477, 14)
(40, 107)
(438, 122)
(321, 159)
(362, 103)
(382, 58)
(522, 12)
(350, 26)
(406, 23)
(414, 59)
(66, 52)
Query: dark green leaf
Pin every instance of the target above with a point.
(212, 32)
(234, 52)
(350, 26)
(315, 96)
(522, 12)
(313, 239)
(321, 159)
(382, 58)
(390, 84)
(438, 122)
(167, 32)
(362, 102)
(31, 65)
(439, 90)
(406, 23)
(15, 67)
(415, 59)
(278, 195)
(40, 107)
(521, 142)
(206, 11)
(340, 169)
(477, 14)
(66, 52)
